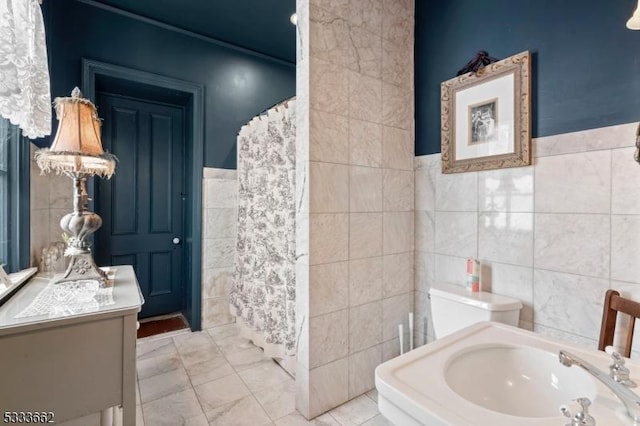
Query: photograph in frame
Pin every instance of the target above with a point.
(486, 117)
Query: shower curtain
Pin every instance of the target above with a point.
(263, 293)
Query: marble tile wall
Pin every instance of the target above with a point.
(356, 190)
(555, 235)
(219, 203)
(51, 198)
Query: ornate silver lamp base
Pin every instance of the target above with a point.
(82, 267)
(80, 225)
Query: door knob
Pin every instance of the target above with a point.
(176, 241)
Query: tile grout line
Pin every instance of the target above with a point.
(237, 373)
(164, 396)
(610, 217)
(534, 268)
(190, 381)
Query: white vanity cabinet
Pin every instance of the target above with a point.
(71, 365)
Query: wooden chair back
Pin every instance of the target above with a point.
(614, 303)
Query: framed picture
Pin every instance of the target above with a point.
(486, 121)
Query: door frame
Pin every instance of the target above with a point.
(194, 154)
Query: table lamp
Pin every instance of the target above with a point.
(77, 152)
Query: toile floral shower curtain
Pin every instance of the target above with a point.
(263, 292)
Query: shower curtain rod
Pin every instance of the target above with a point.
(284, 103)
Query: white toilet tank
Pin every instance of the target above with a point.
(453, 307)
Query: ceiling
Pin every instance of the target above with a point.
(259, 25)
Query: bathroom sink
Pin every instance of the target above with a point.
(519, 381)
(494, 374)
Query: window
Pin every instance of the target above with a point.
(14, 198)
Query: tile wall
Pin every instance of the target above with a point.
(555, 235)
(219, 218)
(51, 199)
(355, 220)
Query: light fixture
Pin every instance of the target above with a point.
(294, 19)
(77, 152)
(634, 22)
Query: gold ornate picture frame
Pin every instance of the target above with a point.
(485, 120)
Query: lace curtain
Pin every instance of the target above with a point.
(25, 97)
(263, 292)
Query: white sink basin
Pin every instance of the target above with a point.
(519, 381)
(495, 375)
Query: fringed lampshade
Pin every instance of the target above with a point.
(77, 152)
(77, 147)
(634, 22)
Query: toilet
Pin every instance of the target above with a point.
(453, 307)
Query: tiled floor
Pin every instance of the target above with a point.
(218, 378)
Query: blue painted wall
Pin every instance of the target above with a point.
(238, 85)
(586, 64)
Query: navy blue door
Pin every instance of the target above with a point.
(142, 204)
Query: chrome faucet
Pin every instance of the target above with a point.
(630, 400)
(618, 371)
(580, 418)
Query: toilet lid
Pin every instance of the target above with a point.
(483, 300)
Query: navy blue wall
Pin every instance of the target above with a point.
(586, 64)
(238, 85)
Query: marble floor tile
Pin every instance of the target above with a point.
(220, 392)
(190, 341)
(163, 384)
(233, 344)
(241, 412)
(373, 394)
(263, 376)
(247, 358)
(200, 420)
(296, 419)
(211, 369)
(176, 409)
(378, 420)
(195, 348)
(218, 378)
(222, 332)
(201, 354)
(279, 400)
(156, 347)
(151, 366)
(355, 412)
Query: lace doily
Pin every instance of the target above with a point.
(70, 298)
(25, 98)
